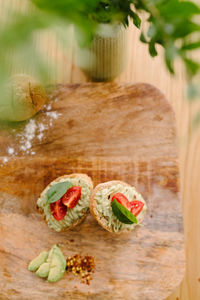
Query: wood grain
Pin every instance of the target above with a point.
(142, 68)
(107, 131)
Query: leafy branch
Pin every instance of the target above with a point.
(172, 24)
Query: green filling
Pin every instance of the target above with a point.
(103, 205)
(72, 214)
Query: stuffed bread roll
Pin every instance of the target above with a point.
(117, 206)
(65, 201)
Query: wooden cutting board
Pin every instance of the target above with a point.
(108, 131)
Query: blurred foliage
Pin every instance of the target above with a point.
(173, 24)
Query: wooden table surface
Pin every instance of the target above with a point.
(142, 68)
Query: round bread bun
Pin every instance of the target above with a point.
(88, 181)
(24, 97)
(101, 219)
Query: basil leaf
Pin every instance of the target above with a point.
(122, 213)
(152, 49)
(191, 46)
(57, 191)
(136, 19)
(192, 66)
(143, 38)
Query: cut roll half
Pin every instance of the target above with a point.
(65, 201)
(117, 206)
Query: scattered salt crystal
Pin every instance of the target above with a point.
(5, 160)
(28, 145)
(40, 136)
(52, 114)
(33, 129)
(30, 130)
(48, 107)
(11, 150)
(23, 148)
(41, 127)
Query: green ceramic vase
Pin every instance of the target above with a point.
(106, 57)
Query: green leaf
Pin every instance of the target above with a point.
(169, 64)
(122, 213)
(152, 49)
(136, 19)
(143, 38)
(179, 9)
(152, 31)
(184, 28)
(191, 46)
(170, 54)
(193, 92)
(191, 66)
(57, 191)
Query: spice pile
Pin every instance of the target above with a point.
(81, 265)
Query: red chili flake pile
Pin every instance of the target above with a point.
(81, 265)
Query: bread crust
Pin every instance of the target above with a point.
(25, 96)
(101, 220)
(80, 220)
